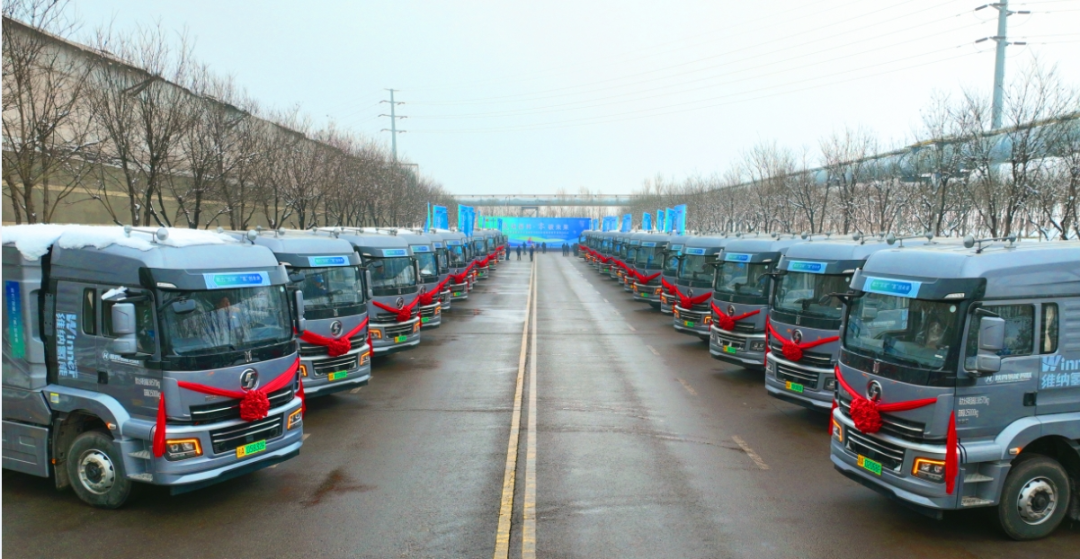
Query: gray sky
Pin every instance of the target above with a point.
(526, 98)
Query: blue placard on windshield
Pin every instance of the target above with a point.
(453, 243)
(805, 266)
(395, 252)
(235, 280)
(647, 244)
(695, 251)
(325, 261)
(737, 257)
(420, 248)
(676, 247)
(438, 244)
(899, 288)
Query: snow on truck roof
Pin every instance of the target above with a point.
(34, 241)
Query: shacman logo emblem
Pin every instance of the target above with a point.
(873, 390)
(249, 379)
(796, 336)
(731, 310)
(400, 303)
(335, 328)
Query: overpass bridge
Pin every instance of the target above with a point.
(533, 202)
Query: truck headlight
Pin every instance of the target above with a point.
(182, 449)
(930, 470)
(296, 418)
(303, 370)
(416, 327)
(838, 430)
(757, 345)
(375, 333)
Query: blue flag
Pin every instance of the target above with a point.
(680, 219)
(646, 221)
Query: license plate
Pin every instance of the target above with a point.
(869, 465)
(400, 339)
(338, 375)
(730, 349)
(793, 386)
(457, 294)
(688, 322)
(425, 320)
(249, 449)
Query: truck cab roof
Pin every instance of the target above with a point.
(303, 249)
(761, 248)
(374, 244)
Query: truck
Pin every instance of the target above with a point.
(442, 260)
(481, 254)
(627, 274)
(669, 274)
(393, 278)
(136, 355)
(458, 250)
(805, 308)
(335, 353)
(959, 380)
(648, 267)
(605, 240)
(431, 282)
(691, 312)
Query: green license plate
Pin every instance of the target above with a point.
(457, 294)
(425, 319)
(793, 386)
(338, 375)
(400, 339)
(730, 349)
(688, 322)
(249, 449)
(869, 465)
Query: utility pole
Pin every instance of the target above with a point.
(999, 62)
(393, 122)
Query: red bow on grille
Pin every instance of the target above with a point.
(647, 279)
(460, 278)
(726, 322)
(403, 314)
(689, 302)
(428, 297)
(671, 289)
(791, 350)
(254, 404)
(334, 346)
(866, 414)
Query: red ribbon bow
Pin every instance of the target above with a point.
(428, 297)
(866, 414)
(791, 350)
(689, 302)
(647, 279)
(334, 346)
(460, 278)
(726, 322)
(671, 289)
(403, 314)
(254, 404)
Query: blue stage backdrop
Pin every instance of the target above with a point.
(551, 230)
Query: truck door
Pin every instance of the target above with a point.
(985, 406)
(126, 377)
(76, 343)
(1059, 357)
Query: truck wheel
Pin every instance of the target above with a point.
(96, 471)
(1035, 498)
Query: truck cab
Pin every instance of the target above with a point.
(431, 284)
(741, 290)
(606, 241)
(669, 274)
(442, 260)
(648, 267)
(327, 271)
(694, 282)
(481, 254)
(460, 272)
(128, 353)
(394, 281)
(627, 274)
(959, 380)
(619, 245)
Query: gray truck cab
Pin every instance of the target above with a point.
(804, 316)
(442, 260)
(327, 270)
(979, 346)
(741, 290)
(393, 278)
(460, 272)
(627, 274)
(694, 282)
(620, 245)
(648, 265)
(669, 275)
(606, 242)
(480, 254)
(423, 250)
(114, 340)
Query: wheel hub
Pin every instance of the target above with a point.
(96, 471)
(1037, 501)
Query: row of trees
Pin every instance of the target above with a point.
(956, 178)
(136, 125)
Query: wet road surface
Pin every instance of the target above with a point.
(631, 442)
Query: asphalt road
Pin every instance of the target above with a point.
(632, 442)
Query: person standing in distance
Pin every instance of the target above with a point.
(532, 249)
(519, 252)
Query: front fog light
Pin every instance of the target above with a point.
(181, 449)
(930, 470)
(757, 345)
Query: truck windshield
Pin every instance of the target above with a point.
(443, 260)
(226, 320)
(671, 264)
(808, 294)
(631, 254)
(331, 288)
(742, 278)
(457, 256)
(904, 331)
(480, 250)
(389, 276)
(694, 269)
(648, 258)
(429, 269)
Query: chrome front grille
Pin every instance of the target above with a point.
(900, 428)
(336, 364)
(809, 358)
(693, 315)
(397, 330)
(792, 374)
(890, 455)
(428, 312)
(734, 341)
(225, 410)
(312, 350)
(230, 438)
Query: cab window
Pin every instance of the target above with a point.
(1049, 336)
(1019, 331)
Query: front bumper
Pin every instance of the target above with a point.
(390, 337)
(667, 303)
(733, 347)
(647, 293)
(811, 387)
(689, 321)
(431, 316)
(459, 291)
(445, 298)
(319, 380)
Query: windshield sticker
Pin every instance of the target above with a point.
(438, 245)
(648, 244)
(736, 257)
(676, 247)
(805, 266)
(899, 288)
(395, 252)
(420, 248)
(66, 332)
(15, 335)
(695, 251)
(232, 281)
(326, 261)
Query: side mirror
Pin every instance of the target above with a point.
(301, 322)
(123, 326)
(297, 277)
(182, 306)
(986, 363)
(367, 283)
(991, 334)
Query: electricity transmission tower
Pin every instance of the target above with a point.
(999, 62)
(393, 122)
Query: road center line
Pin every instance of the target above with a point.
(632, 329)
(653, 349)
(750, 452)
(687, 386)
(528, 532)
(506, 508)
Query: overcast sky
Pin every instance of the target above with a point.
(527, 98)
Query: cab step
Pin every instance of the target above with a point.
(977, 478)
(974, 502)
(144, 477)
(143, 454)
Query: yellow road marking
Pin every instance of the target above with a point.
(355, 390)
(750, 452)
(687, 386)
(506, 508)
(528, 532)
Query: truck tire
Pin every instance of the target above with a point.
(1035, 498)
(96, 471)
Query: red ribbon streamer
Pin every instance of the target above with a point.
(334, 346)
(647, 279)
(403, 314)
(866, 414)
(791, 350)
(726, 322)
(460, 278)
(428, 297)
